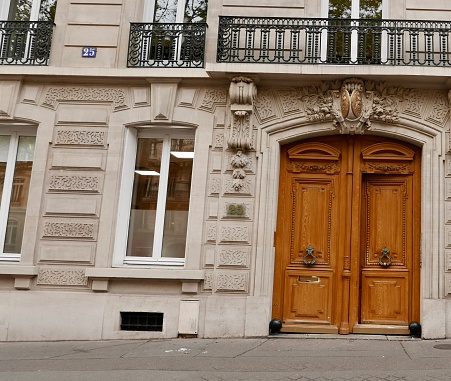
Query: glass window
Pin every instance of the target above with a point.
(160, 197)
(176, 11)
(30, 10)
(16, 163)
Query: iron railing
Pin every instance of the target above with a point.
(25, 42)
(166, 45)
(333, 41)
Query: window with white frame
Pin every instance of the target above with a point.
(154, 206)
(28, 10)
(175, 11)
(16, 163)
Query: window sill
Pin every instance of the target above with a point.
(101, 276)
(22, 275)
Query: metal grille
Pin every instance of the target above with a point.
(166, 45)
(25, 42)
(142, 321)
(333, 41)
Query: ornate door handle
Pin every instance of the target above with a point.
(309, 257)
(385, 259)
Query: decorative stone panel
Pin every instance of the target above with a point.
(265, 109)
(116, 96)
(448, 284)
(232, 256)
(218, 138)
(75, 183)
(448, 188)
(216, 162)
(62, 277)
(8, 103)
(415, 104)
(209, 255)
(448, 212)
(250, 164)
(213, 98)
(187, 97)
(213, 208)
(211, 232)
(247, 186)
(448, 260)
(232, 282)
(290, 102)
(448, 236)
(448, 166)
(69, 230)
(141, 96)
(92, 138)
(214, 185)
(438, 110)
(208, 281)
(235, 233)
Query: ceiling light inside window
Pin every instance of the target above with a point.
(147, 173)
(182, 155)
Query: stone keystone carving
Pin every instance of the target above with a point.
(242, 93)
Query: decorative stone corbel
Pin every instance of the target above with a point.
(242, 93)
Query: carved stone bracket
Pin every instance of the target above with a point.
(242, 93)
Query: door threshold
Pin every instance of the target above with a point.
(381, 329)
(300, 328)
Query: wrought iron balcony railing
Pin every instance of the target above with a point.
(333, 41)
(166, 45)
(25, 42)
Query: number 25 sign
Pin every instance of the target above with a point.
(88, 52)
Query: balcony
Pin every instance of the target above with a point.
(333, 41)
(25, 42)
(167, 45)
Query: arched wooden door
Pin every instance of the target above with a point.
(348, 236)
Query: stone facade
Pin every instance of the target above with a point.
(70, 280)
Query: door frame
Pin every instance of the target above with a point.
(429, 138)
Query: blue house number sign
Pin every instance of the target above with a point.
(88, 52)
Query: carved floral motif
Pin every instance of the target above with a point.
(264, 108)
(208, 281)
(113, 95)
(59, 277)
(298, 167)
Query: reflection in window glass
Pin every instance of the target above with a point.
(20, 10)
(19, 195)
(144, 198)
(177, 198)
(340, 9)
(170, 11)
(4, 148)
(370, 9)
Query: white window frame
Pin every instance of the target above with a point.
(149, 11)
(120, 259)
(355, 10)
(14, 134)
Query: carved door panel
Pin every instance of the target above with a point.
(347, 240)
(309, 224)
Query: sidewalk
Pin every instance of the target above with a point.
(282, 357)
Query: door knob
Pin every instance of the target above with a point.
(385, 259)
(309, 257)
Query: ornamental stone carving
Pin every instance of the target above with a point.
(69, 230)
(60, 277)
(233, 257)
(75, 183)
(96, 94)
(242, 93)
(213, 98)
(208, 281)
(231, 282)
(351, 104)
(235, 234)
(84, 138)
(448, 262)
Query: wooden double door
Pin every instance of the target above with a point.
(348, 236)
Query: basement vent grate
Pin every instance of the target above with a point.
(142, 321)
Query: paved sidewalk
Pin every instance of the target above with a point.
(283, 357)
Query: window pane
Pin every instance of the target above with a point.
(19, 195)
(165, 11)
(20, 10)
(370, 9)
(340, 9)
(144, 198)
(47, 10)
(4, 146)
(195, 11)
(177, 199)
